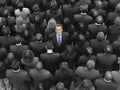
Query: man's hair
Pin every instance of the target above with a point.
(58, 25)
(90, 64)
(49, 45)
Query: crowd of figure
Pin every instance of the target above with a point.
(59, 44)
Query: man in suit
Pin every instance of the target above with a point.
(98, 26)
(105, 83)
(39, 75)
(50, 59)
(106, 61)
(99, 43)
(116, 75)
(88, 71)
(64, 74)
(7, 40)
(18, 48)
(113, 15)
(114, 30)
(83, 19)
(18, 77)
(38, 46)
(116, 47)
(60, 39)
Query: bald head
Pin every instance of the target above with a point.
(99, 19)
(108, 76)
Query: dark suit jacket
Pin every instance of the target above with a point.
(3, 53)
(65, 40)
(100, 84)
(116, 78)
(65, 78)
(116, 47)
(84, 58)
(98, 46)
(113, 33)
(7, 41)
(18, 50)
(94, 29)
(57, 15)
(84, 73)
(19, 80)
(106, 62)
(51, 62)
(85, 19)
(111, 17)
(37, 47)
(40, 76)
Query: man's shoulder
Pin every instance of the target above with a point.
(65, 33)
(52, 34)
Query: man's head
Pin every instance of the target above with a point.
(100, 36)
(117, 21)
(58, 29)
(6, 31)
(39, 37)
(84, 8)
(15, 65)
(18, 39)
(89, 50)
(99, 19)
(20, 6)
(108, 76)
(108, 49)
(39, 65)
(90, 64)
(6, 13)
(72, 2)
(64, 66)
(28, 55)
(54, 5)
(35, 8)
(117, 8)
(60, 86)
(49, 45)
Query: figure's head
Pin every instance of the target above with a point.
(39, 65)
(60, 86)
(90, 64)
(18, 39)
(15, 65)
(49, 46)
(64, 66)
(117, 21)
(117, 8)
(54, 5)
(72, 2)
(6, 31)
(100, 36)
(86, 83)
(28, 56)
(108, 76)
(84, 8)
(99, 19)
(20, 6)
(58, 29)
(108, 49)
(35, 8)
(39, 37)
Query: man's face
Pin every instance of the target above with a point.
(58, 30)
